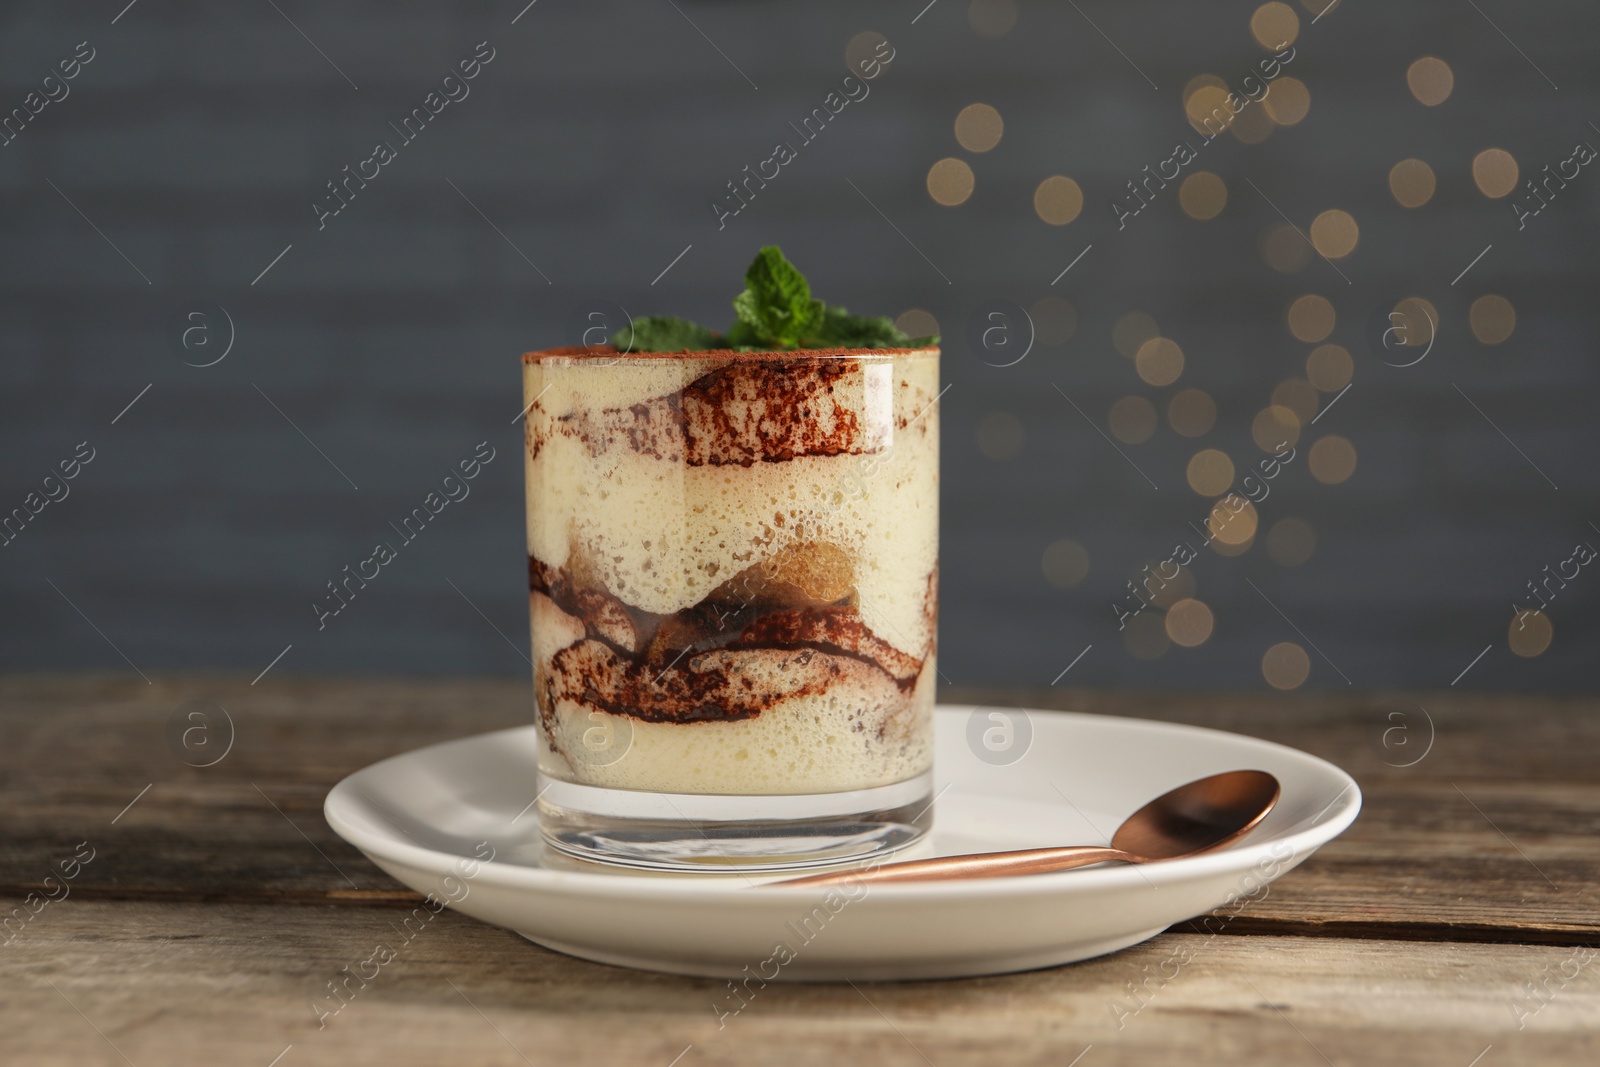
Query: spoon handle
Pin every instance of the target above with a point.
(978, 865)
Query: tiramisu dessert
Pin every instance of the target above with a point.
(733, 572)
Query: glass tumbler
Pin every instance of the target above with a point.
(733, 591)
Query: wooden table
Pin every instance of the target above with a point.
(1453, 925)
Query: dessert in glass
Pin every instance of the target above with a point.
(733, 587)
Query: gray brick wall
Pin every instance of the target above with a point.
(199, 136)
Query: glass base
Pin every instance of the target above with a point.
(720, 834)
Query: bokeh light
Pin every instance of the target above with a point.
(1329, 367)
(1530, 633)
(1311, 318)
(1492, 319)
(1291, 542)
(1054, 320)
(1299, 396)
(1274, 427)
(1335, 233)
(863, 47)
(1189, 623)
(1206, 107)
(978, 127)
(1252, 125)
(1411, 182)
(950, 182)
(1286, 666)
(1413, 324)
(1159, 361)
(1160, 590)
(1065, 563)
(1058, 200)
(1332, 460)
(1232, 524)
(1430, 80)
(1287, 100)
(1494, 170)
(917, 323)
(1192, 412)
(1274, 26)
(1133, 330)
(1133, 420)
(992, 18)
(1210, 472)
(1202, 195)
(1285, 249)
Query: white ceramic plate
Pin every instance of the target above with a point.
(432, 818)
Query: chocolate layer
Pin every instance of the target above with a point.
(690, 666)
(743, 412)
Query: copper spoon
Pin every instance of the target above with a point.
(1202, 816)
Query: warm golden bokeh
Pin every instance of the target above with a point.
(1492, 319)
(1494, 170)
(950, 182)
(1299, 396)
(1160, 590)
(1207, 108)
(1132, 420)
(1430, 80)
(1202, 195)
(1054, 320)
(863, 47)
(1291, 542)
(1133, 330)
(1329, 368)
(1332, 460)
(1287, 100)
(1530, 633)
(1285, 249)
(992, 18)
(1411, 182)
(1311, 318)
(999, 435)
(1232, 524)
(1202, 81)
(1335, 233)
(978, 127)
(1058, 200)
(1210, 472)
(1274, 427)
(1274, 26)
(1159, 361)
(1065, 563)
(1192, 412)
(1413, 323)
(1252, 125)
(1286, 666)
(917, 323)
(1189, 623)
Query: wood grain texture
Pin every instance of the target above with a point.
(235, 983)
(219, 905)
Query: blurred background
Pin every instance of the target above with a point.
(1355, 268)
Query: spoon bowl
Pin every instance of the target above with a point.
(1198, 817)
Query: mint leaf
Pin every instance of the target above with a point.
(776, 304)
(663, 333)
(840, 329)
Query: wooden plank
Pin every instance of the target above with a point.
(1458, 846)
(209, 984)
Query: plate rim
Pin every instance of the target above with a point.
(1241, 858)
